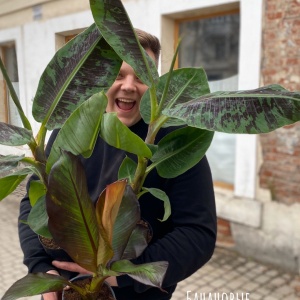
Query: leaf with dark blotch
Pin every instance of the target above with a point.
(9, 162)
(180, 150)
(254, 111)
(9, 183)
(186, 84)
(115, 26)
(11, 135)
(79, 133)
(81, 68)
(35, 284)
(118, 135)
(149, 273)
(107, 208)
(127, 169)
(72, 217)
(127, 218)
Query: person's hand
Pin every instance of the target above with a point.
(52, 295)
(70, 266)
(112, 281)
(73, 267)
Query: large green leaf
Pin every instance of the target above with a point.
(79, 133)
(36, 190)
(127, 169)
(127, 218)
(118, 135)
(72, 217)
(107, 208)
(11, 135)
(81, 68)
(38, 218)
(9, 162)
(254, 111)
(150, 273)
(35, 284)
(180, 150)
(115, 26)
(186, 84)
(9, 183)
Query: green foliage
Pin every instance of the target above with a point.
(34, 284)
(254, 111)
(118, 135)
(79, 133)
(67, 80)
(71, 97)
(11, 182)
(11, 135)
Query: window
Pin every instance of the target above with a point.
(213, 43)
(9, 114)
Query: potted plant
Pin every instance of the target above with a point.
(180, 97)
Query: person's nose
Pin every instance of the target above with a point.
(129, 84)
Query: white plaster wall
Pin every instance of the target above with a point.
(183, 5)
(277, 240)
(249, 77)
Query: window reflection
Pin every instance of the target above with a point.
(213, 43)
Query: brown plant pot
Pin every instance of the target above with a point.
(105, 293)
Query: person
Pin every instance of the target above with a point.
(186, 240)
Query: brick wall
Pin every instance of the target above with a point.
(224, 236)
(280, 171)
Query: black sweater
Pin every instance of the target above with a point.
(186, 240)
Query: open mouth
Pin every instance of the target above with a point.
(125, 104)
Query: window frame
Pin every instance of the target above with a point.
(178, 22)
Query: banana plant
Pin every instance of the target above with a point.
(71, 92)
(101, 239)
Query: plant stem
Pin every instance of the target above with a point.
(166, 87)
(39, 168)
(139, 176)
(141, 171)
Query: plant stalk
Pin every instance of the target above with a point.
(139, 176)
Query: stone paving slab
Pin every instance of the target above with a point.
(228, 274)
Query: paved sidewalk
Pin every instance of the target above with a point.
(228, 275)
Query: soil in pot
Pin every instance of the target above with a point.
(105, 293)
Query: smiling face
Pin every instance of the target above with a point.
(125, 94)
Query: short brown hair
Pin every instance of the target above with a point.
(149, 41)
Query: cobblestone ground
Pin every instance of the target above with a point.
(228, 274)
(232, 275)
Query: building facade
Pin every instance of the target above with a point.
(244, 44)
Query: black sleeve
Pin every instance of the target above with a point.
(192, 241)
(35, 257)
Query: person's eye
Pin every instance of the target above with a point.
(138, 80)
(120, 76)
